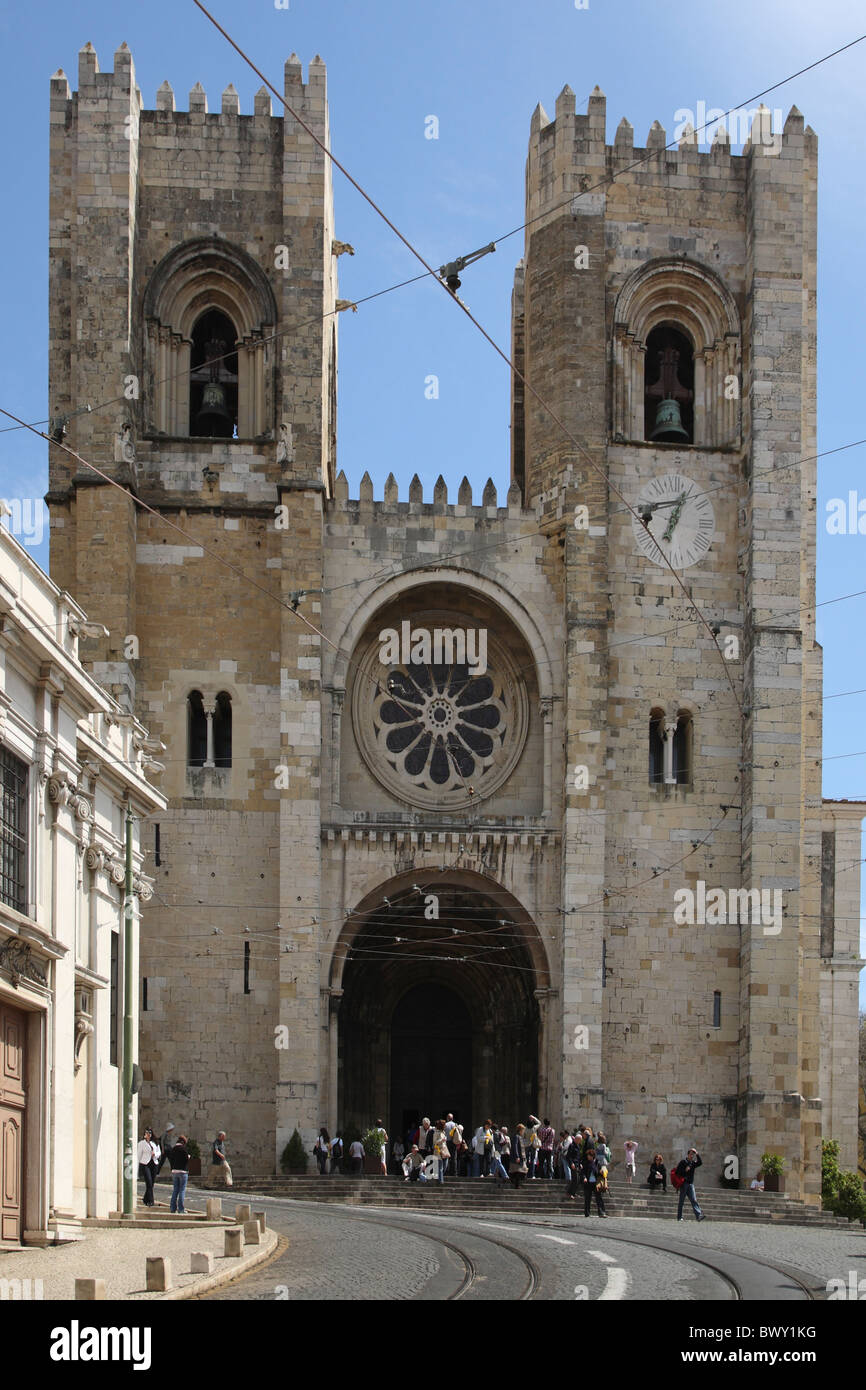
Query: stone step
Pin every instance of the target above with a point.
(543, 1198)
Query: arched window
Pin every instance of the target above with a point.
(213, 380)
(669, 378)
(196, 741)
(204, 292)
(670, 749)
(675, 306)
(656, 747)
(681, 750)
(222, 730)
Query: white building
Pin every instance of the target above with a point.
(69, 762)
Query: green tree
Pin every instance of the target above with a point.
(294, 1157)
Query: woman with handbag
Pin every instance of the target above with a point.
(519, 1166)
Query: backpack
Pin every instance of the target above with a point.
(337, 1149)
(677, 1178)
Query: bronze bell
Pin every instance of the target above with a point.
(668, 428)
(214, 420)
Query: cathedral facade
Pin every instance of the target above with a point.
(488, 804)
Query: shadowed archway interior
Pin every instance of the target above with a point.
(438, 1013)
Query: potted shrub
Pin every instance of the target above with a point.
(194, 1159)
(294, 1155)
(372, 1143)
(772, 1165)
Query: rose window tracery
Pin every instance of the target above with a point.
(441, 725)
(440, 734)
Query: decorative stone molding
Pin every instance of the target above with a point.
(61, 790)
(17, 959)
(143, 886)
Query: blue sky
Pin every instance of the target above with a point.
(480, 68)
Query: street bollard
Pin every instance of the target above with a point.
(214, 1208)
(158, 1274)
(252, 1233)
(234, 1241)
(242, 1213)
(262, 1220)
(90, 1289)
(201, 1262)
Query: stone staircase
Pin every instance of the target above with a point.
(542, 1198)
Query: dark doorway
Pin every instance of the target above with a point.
(431, 1058)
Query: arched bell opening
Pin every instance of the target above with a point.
(213, 391)
(669, 387)
(438, 1013)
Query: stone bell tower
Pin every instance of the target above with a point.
(193, 294)
(655, 274)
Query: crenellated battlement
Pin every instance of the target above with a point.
(309, 98)
(569, 155)
(464, 506)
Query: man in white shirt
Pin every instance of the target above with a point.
(356, 1154)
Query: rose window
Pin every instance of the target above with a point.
(435, 734)
(441, 725)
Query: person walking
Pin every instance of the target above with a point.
(451, 1140)
(477, 1151)
(602, 1150)
(166, 1144)
(533, 1146)
(685, 1170)
(178, 1159)
(148, 1149)
(657, 1177)
(220, 1172)
(356, 1154)
(591, 1177)
(631, 1149)
(321, 1149)
(519, 1165)
(336, 1153)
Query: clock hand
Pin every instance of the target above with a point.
(675, 516)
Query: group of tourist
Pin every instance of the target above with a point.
(579, 1158)
(172, 1148)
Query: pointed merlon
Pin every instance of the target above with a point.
(165, 97)
(761, 133)
(565, 102)
(464, 493)
(440, 490)
(540, 119)
(231, 103)
(293, 77)
(416, 491)
(88, 64)
(392, 492)
(60, 86)
(317, 70)
(365, 493)
(263, 105)
(514, 498)
(794, 122)
(488, 496)
(688, 139)
(624, 138)
(198, 98)
(657, 138)
(341, 487)
(721, 139)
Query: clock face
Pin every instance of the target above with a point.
(681, 526)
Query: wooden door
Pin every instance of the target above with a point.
(13, 1100)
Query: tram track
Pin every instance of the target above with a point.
(748, 1277)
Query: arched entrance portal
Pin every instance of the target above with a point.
(439, 1008)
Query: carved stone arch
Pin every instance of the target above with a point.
(521, 611)
(691, 298)
(199, 275)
